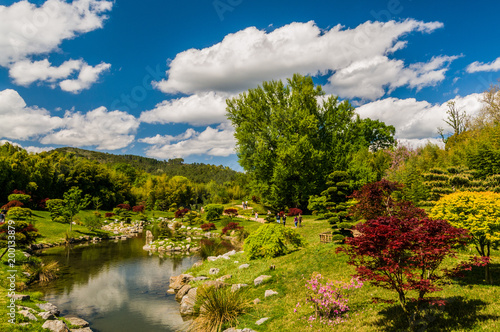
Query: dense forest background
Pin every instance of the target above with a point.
(115, 179)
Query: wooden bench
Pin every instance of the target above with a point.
(325, 237)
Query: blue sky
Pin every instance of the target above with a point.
(151, 78)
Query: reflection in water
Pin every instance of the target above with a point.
(117, 286)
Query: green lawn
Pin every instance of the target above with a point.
(472, 305)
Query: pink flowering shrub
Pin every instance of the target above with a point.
(329, 299)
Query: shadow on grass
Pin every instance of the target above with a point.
(476, 276)
(458, 313)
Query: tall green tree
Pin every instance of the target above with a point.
(290, 137)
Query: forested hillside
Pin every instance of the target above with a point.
(114, 179)
(196, 172)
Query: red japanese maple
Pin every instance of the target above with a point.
(404, 253)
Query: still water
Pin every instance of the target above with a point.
(116, 286)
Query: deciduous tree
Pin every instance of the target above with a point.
(289, 138)
(403, 254)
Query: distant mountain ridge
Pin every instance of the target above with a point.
(196, 172)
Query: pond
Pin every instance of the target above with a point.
(116, 286)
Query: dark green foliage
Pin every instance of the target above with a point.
(214, 211)
(161, 230)
(441, 182)
(92, 222)
(333, 202)
(122, 214)
(272, 240)
(214, 247)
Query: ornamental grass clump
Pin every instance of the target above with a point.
(214, 247)
(218, 307)
(329, 299)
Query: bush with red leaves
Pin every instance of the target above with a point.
(231, 212)
(109, 214)
(124, 206)
(404, 253)
(43, 203)
(181, 212)
(231, 226)
(208, 227)
(12, 204)
(138, 208)
(294, 212)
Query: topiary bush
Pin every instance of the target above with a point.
(272, 240)
(23, 198)
(214, 211)
(19, 213)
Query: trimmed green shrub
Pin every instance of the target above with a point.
(272, 240)
(56, 208)
(25, 199)
(214, 211)
(19, 213)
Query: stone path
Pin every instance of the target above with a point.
(261, 220)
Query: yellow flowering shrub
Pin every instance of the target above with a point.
(478, 212)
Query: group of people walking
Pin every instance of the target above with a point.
(281, 216)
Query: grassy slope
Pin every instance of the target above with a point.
(474, 306)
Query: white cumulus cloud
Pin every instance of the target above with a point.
(417, 120)
(27, 29)
(27, 72)
(479, 66)
(18, 121)
(88, 75)
(248, 57)
(199, 110)
(217, 141)
(107, 130)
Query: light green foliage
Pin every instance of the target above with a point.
(19, 213)
(74, 203)
(214, 211)
(440, 182)
(218, 307)
(57, 212)
(272, 240)
(193, 218)
(25, 199)
(288, 141)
